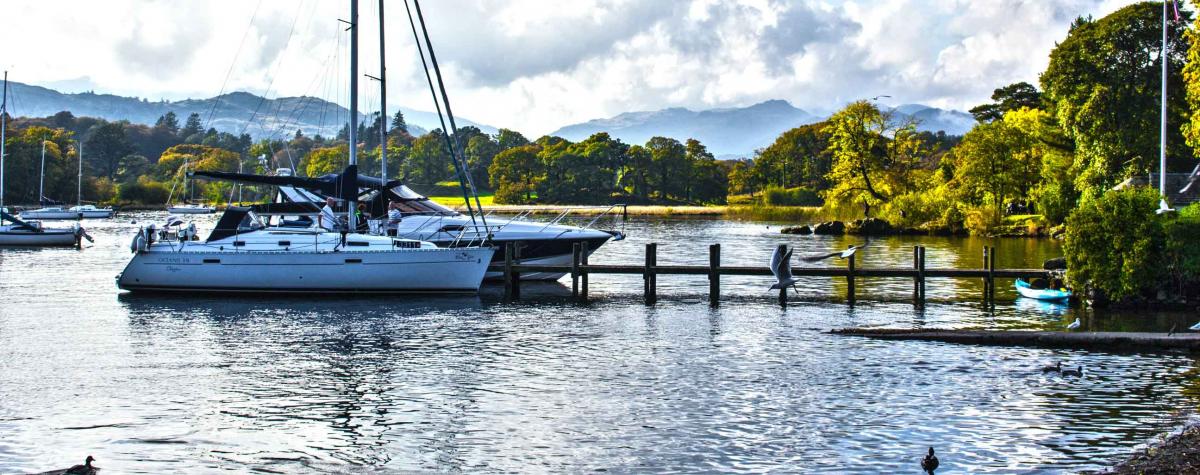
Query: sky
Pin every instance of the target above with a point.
(537, 65)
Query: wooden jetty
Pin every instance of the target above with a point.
(1110, 341)
(581, 270)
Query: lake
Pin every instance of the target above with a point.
(153, 384)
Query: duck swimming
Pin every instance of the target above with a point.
(930, 462)
(1073, 372)
(85, 469)
(1056, 368)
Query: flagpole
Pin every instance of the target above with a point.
(1162, 139)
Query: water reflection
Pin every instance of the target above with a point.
(292, 383)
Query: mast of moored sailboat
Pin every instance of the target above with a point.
(383, 118)
(3, 124)
(352, 204)
(79, 180)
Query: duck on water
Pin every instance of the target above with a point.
(85, 469)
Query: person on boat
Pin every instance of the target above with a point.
(360, 218)
(394, 217)
(328, 219)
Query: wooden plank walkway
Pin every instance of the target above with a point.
(1111, 341)
(580, 271)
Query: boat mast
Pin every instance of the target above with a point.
(79, 181)
(352, 204)
(42, 179)
(383, 118)
(3, 124)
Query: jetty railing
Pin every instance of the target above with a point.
(580, 270)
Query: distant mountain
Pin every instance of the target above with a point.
(733, 131)
(235, 112)
(738, 132)
(933, 119)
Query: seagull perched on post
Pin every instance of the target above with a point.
(1074, 325)
(838, 254)
(781, 266)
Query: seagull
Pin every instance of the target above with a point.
(1073, 372)
(1195, 327)
(838, 254)
(781, 267)
(930, 462)
(1053, 369)
(1074, 325)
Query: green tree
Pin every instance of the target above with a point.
(1103, 86)
(1008, 98)
(1114, 243)
(107, 146)
(398, 123)
(191, 127)
(325, 160)
(668, 165)
(507, 139)
(428, 161)
(480, 151)
(515, 174)
(873, 154)
(798, 157)
(996, 162)
(168, 122)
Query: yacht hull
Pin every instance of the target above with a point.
(44, 238)
(96, 214)
(413, 271)
(51, 215)
(191, 210)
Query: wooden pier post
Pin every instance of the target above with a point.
(714, 275)
(991, 266)
(583, 273)
(850, 280)
(509, 251)
(916, 262)
(575, 270)
(922, 275)
(985, 279)
(649, 278)
(782, 248)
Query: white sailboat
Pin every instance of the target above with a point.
(86, 211)
(187, 207)
(47, 212)
(16, 232)
(245, 254)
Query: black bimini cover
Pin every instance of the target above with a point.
(230, 223)
(341, 185)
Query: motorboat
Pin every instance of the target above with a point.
(1027, 289)
(17, 232)
(191, 209)
(51, 212)
(92, 212)
(542, 242)
(245, 254)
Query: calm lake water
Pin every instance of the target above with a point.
(154, 384)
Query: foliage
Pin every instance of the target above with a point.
(514, 173)
(1115, 243)
(798, 196)
(798, 157)
(874, 155)
(1103, 85)
(143, 191)
(997, 161)
(1016, 96)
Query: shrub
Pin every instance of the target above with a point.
(1115, 243)
(144, 191)
(799, 196)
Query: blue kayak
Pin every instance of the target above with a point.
(1026, 290)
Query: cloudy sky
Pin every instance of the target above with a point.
(536, 65)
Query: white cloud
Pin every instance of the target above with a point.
(535, 65)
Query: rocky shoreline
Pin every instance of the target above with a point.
(1178, 452)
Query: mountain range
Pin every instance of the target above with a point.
(727, 132)
(737, 132)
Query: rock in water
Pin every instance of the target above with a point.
(797, 230)
(831, 228)
(871, 227)
(1057, 263)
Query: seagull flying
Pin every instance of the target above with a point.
(1195, 327)
(838, 254)
(1074, 325)
(781, 266)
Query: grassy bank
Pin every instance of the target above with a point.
(790, 214)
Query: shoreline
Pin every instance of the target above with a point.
(1177, 451)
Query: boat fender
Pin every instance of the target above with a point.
(139, 241)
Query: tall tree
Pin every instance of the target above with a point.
(168, 122)
(873, 155)
(1008, 98)
(1103, 84)
(191, 127)
(108, 146)
(398, 123)
(515, 173)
